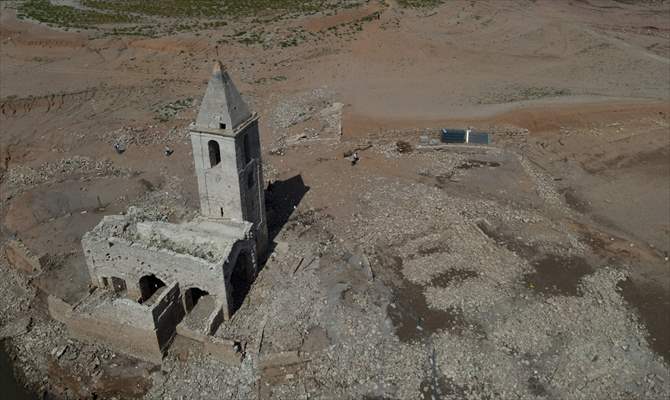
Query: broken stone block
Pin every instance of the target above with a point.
(279, 367)
(20, 257)
(225, 350)
(279, 360)
(58, 309)
(281, 248)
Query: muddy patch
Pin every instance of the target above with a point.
(652, 305)
(410, 314)
(414, 320)
(573, 200)
(554, 274)
(452, 276)
(557, 275)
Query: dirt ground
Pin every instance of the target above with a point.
(535, 268)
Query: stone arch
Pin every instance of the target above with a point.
(214, 153)
(191, 297)
(148, 285)
(241, 278)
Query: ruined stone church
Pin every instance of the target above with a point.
(154, 280)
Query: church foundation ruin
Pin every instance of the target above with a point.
(154, 280)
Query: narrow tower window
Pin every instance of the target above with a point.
(214, 153)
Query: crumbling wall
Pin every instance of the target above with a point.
(167, 313)
(119, 258)
(136, 342)
(183, 239)
(127, 312)
(135, 329)
(252, 196)
(228, 267)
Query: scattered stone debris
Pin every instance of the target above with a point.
(23, 177)
(404, 147)
(300, 108)
(147, 135)
(170, 110)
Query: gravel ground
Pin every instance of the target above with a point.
(441, 313)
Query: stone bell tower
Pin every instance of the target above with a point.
(227, 155)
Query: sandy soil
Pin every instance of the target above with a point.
(577, 95)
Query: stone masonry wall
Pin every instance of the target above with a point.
(132, 261)
(218, 186)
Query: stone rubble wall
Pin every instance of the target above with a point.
(131, 261)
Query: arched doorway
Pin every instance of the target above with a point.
(149, 284)
(191, 297)
(241, 280)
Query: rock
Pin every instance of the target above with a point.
(120, 148)
(281, 248)
(20, 257)
(296, 138)
(58, 352)
(282, 359)
(403, 147)
(362, 262)
(277, 151)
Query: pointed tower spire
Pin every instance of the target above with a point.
(222, 108)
